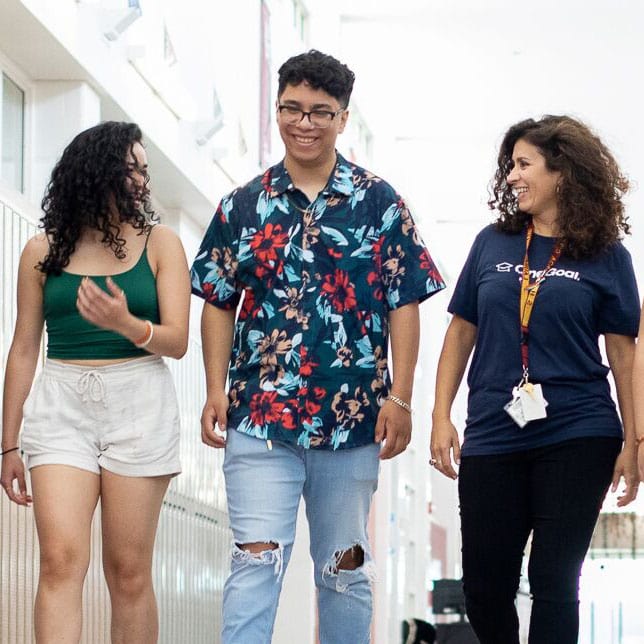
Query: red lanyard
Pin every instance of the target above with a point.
(529, 294)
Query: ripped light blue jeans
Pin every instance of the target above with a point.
(263, 487)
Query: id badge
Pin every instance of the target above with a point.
(515, 409)
(527, 404)
(532, 402)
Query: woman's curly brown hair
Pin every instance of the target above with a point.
(591, 213)
(88, 185)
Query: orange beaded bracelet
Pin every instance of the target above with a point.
(147, 337)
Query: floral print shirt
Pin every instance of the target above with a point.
(309, 358)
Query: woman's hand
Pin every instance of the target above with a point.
(445, 444)
(108, 311)
(13, 469)
(626, 466)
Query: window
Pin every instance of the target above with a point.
(12, 132)
(300, 19)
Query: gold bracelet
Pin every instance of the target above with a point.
(400, 402)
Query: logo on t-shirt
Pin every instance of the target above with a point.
(506, 267)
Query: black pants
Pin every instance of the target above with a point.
(554, 491)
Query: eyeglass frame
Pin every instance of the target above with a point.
(281, 107)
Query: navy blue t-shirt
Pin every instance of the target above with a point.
(578, 301)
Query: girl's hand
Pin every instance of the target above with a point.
(13, 469)
(108, 311)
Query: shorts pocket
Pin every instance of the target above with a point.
(31, 402)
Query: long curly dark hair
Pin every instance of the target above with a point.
(589, 195)
(88, 185)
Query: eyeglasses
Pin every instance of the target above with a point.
(317, 118)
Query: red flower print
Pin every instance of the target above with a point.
(264, 409)
(207, 288)
(427, 264)
(248, 308)
(340, 291)
(312, 407)
(266, 180)
(306, 364)
(288, 419)
(265, 242)
(425, 260)
(374, 278)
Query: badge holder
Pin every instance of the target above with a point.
(527, 402)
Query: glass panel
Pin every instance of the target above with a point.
(12, 138)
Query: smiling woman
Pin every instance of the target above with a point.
(543, 440)
(558, 168)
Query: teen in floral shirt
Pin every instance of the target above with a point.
(309, 360)
(328, 261)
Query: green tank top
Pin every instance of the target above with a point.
(70, 337)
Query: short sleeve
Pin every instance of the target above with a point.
(464, 302)
(214, 271)
(620, 306)
(407, 269)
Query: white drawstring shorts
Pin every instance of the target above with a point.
(122, 417)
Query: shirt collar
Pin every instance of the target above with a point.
(278, 180)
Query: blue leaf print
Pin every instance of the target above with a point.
(196, 282)
(343, 179)
(292, 232)
(227, 204)
(391, 215)
(357, 197)
(290, 273)
(339, 337)
(363, 252)
(365, 348)
(335, 235)
(265, 206)
(338, 437)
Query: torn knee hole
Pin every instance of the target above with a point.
(259, 553)
(349, 559)
(257, 547)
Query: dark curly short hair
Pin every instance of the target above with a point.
(591, 213)
(87, 186)
(320, 71)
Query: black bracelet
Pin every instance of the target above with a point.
(7, 451)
